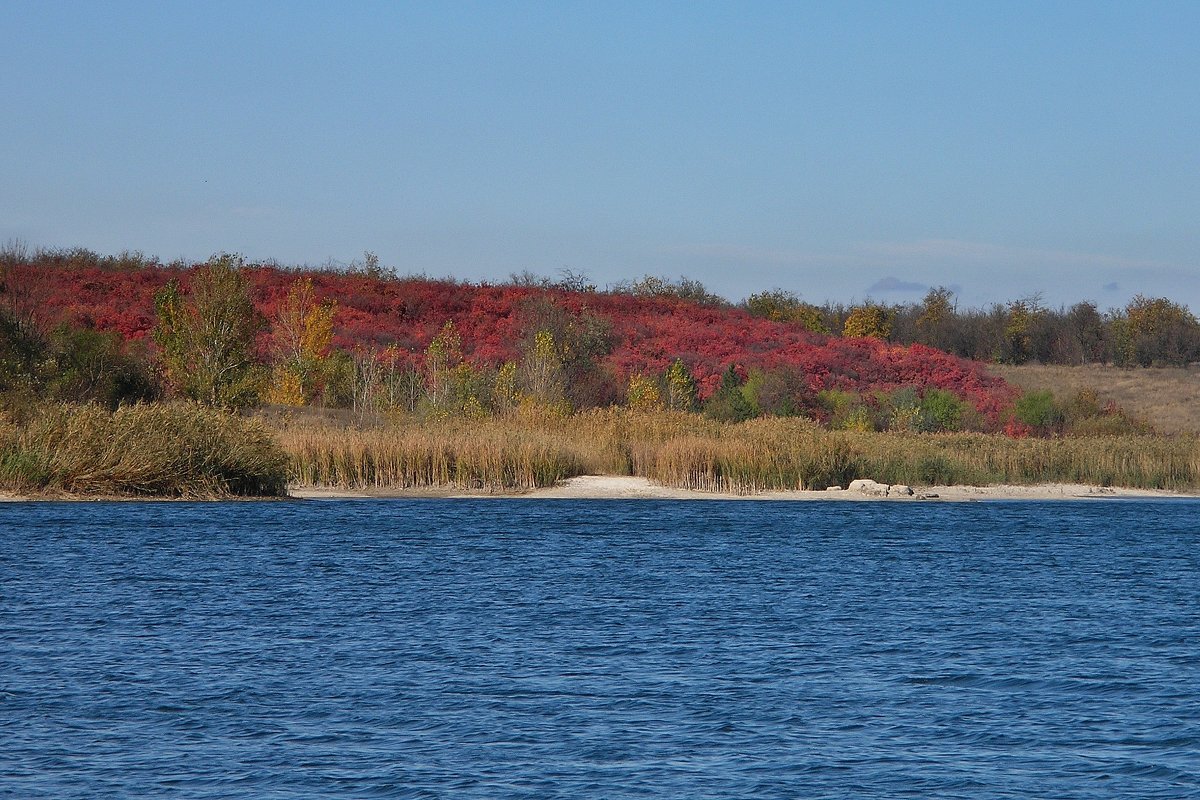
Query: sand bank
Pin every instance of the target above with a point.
(607, 486)
(616, 487)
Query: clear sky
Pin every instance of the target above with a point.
(839, 150)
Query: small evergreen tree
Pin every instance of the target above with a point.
(728, 404)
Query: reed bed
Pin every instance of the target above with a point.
(752, 460)
(482, 457)
(160, 450)
(182, 450)
(687, 451)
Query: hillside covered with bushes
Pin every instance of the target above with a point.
(593, 348)
(76, 326)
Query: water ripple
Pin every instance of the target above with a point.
(435, 649)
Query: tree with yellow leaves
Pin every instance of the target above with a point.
(542, 370)
(869, 320)
(643, 393)
(300, 339)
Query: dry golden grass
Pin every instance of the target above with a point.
(689, 451)
(480, 456)
(190, 451)
(1166, 397)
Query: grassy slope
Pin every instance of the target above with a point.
(1167, 397)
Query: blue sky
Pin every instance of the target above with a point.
(838, 150)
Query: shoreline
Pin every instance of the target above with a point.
(618, 487)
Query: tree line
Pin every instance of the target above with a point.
(1148, 331)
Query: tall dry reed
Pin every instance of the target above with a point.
(689, 451)
(482, 456)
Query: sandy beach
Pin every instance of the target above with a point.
(617, 487)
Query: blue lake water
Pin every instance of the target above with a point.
(600, 649)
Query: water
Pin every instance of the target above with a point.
(503, 649)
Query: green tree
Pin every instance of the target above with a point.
(845, 410)
(90, 366)
(1039, 411)
(505, 395)
(728, 403)
(21, 352)
(643, 393)
(207, 336)
(1020, 326)
(942, 410)
(1155, 331)
(452, 385)
(580, 340)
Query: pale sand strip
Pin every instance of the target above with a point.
(617, 487)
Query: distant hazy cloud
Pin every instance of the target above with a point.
(979, 273)
(960, 250)
(893, 284)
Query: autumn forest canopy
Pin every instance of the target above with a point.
(77, 326)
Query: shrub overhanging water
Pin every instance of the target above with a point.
(163, 450)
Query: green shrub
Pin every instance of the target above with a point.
(1038, 410)
(942, 410)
